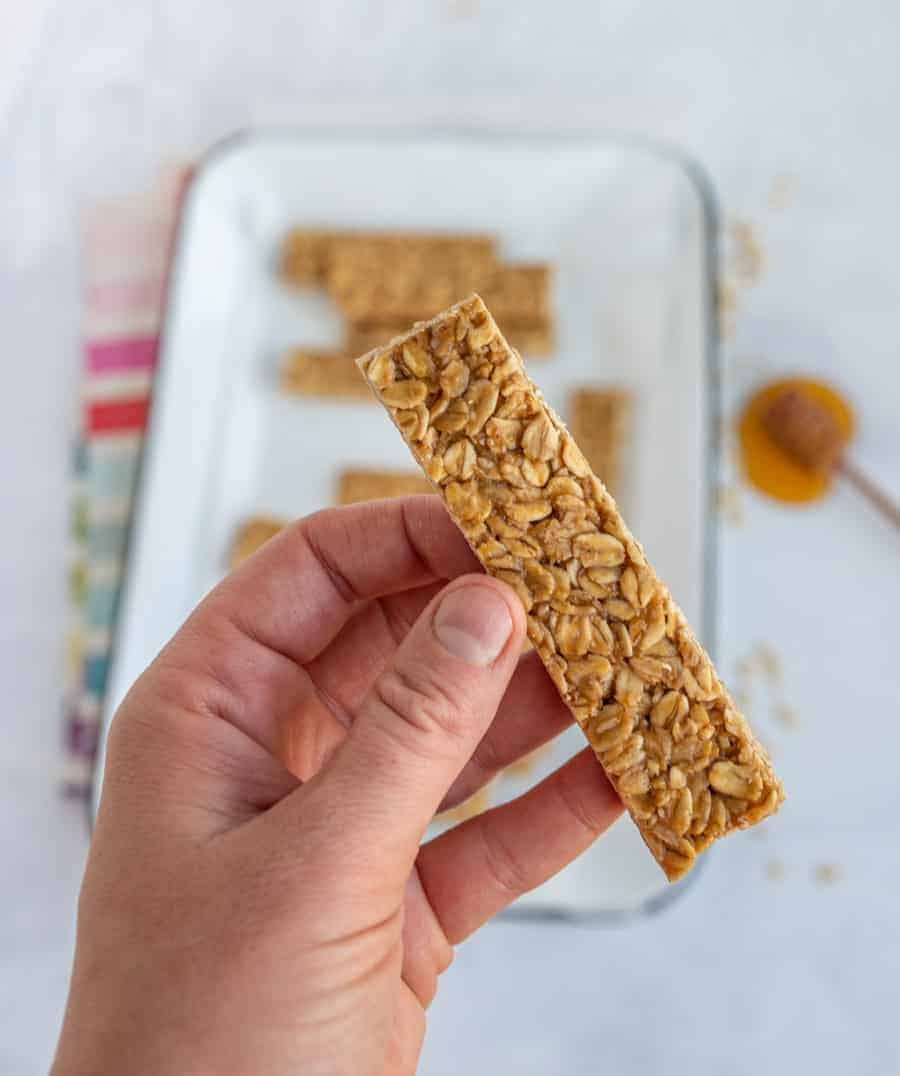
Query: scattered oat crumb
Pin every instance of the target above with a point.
(781, 193)
(749, 258)
(729, 503)
(775, 870)
(787, 715)
(727, 295)
(726, 305)
(746, 667)
(763, 662)
(828, 873)
(743, 264)
(769, 662)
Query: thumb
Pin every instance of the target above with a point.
(418, 726)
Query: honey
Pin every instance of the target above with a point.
(767, 466)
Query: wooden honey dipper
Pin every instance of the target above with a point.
(808, 432)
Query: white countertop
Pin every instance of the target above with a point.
(746, 974)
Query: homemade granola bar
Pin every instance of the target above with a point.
(321, 372)
(619, 650)
(370, 485)
(519, 291)
(405, 289)
(316, 255)
(598, 420)
(383, 298)
(533, 338)
(251, 534)
(305, 255)
(414, 284)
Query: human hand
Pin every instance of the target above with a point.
(256, 897)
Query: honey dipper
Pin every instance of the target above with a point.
(806, 430)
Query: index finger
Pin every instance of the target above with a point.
(299, 590)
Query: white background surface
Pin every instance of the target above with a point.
(746, 974)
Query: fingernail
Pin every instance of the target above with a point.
(474, 624)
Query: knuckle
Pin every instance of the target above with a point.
(505, 866)
(424, 703)
(584, 809)
(487, 758)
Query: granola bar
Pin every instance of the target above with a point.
(305, 255)
(403, 289)
(321, 372)
(415, 283)
(618, 649)
(251, 534)
(331, 372)
(519, 291)
(369, 485)
(535, 339)
(323, 256)
(598, 422)
(532, 338)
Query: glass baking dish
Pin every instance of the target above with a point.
(630, 229)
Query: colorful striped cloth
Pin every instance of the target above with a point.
(127, 244)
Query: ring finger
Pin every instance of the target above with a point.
(473, 871)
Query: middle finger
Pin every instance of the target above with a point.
(476, 869)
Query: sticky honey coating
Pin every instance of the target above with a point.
(618, 649)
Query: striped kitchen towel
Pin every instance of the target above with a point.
(127, 245)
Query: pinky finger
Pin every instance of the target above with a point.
(476, 869)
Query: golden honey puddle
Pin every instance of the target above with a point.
(769, 467)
